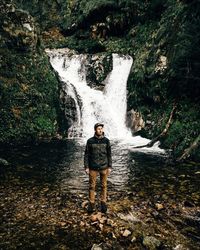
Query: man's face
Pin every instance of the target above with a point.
(99, 130)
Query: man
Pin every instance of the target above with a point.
(98, 161)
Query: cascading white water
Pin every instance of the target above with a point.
(107, 106)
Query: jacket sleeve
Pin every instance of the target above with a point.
(86, 157)
(109, 155)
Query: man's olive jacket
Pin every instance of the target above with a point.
(98, 153)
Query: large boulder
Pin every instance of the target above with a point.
(70, 105)
(134, 121)
(97, 69)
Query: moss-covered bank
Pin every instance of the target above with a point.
(161, 36)
(29, 89)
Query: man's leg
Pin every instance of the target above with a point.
(103, 179)
(92, 185)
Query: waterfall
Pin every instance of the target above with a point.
(108, 106)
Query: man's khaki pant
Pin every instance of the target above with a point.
(92, 184)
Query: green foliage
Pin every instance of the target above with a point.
(44, 125)
(184, 129)
(88, 6)
(47, 13)
(29, 98)
(118, 45)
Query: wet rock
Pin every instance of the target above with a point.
(101, 226)
(159, 206)
(70, 111)
(4, 162)
(113, 235)
(95, 217)
(63, 224)
(135, 120)
(126, 233)
(97, 69)
(84, 204)
(82, 224)
(134, 239)
(151, 242)
(102, 220)
(128, 217)
(179, 247)
(110, 222)
(97, 247)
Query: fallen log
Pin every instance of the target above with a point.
(187, 151)
(164, 132)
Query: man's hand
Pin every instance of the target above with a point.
(109, 170)
(87, 170)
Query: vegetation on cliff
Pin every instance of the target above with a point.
(29, 96)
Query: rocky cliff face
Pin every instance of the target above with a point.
(98, 67)
(159, 35)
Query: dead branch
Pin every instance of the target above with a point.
(187, 151)
(164, 132)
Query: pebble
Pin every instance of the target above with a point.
(4, 162)
(101, 226)
(126, 233)
(133, 239)
(159, 206)
(82, 224)
(96, 247)
(84, 204)
(179, 247)
(95, 217)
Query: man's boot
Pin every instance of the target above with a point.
(91, 207)
(103, 207)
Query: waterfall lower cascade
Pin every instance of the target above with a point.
(108, 106)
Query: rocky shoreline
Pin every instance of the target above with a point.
(42, 219)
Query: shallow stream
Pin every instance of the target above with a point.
(45, 182)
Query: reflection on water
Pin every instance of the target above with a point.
(73, 178)
(61, 164)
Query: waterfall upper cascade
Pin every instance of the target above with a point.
(107, 106)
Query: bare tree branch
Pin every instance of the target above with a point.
(187, 151)
(164, 132)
